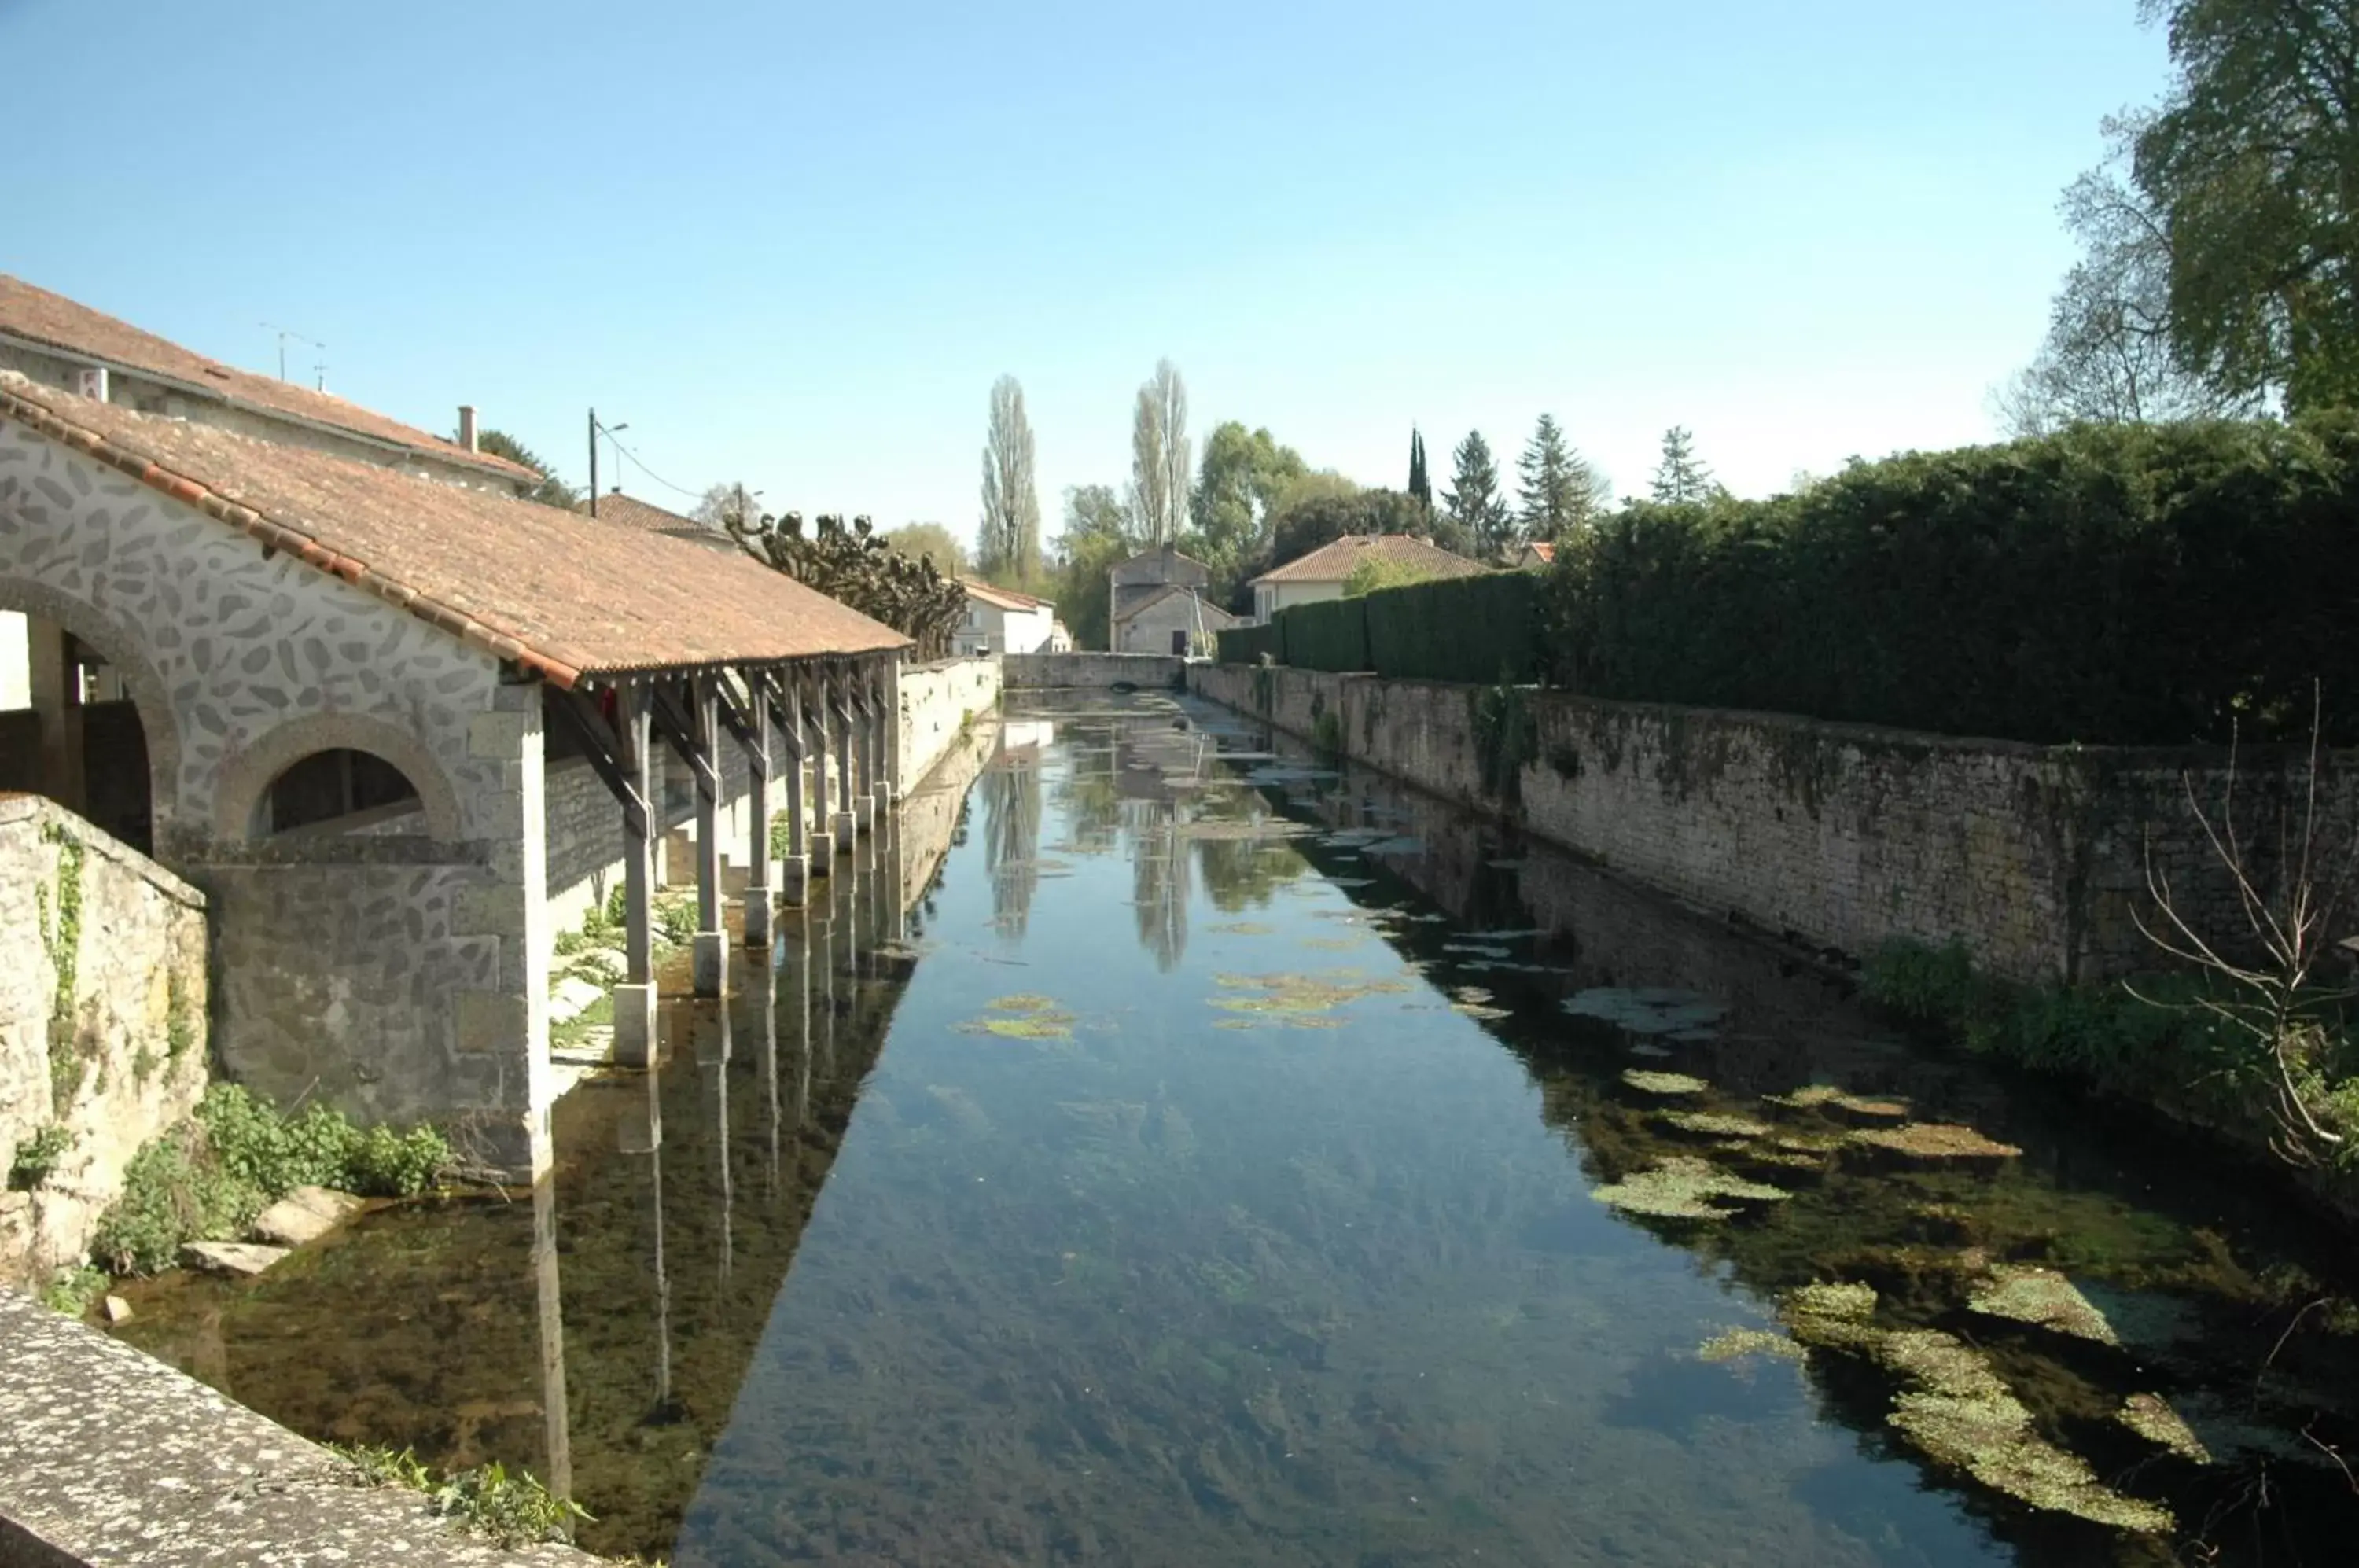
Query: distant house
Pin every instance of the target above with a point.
(1001, 620)
(629, 512)
(1322, 573)
(1061, 637)
(1157, 604)
(1535, 555)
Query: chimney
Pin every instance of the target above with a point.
(467, 427)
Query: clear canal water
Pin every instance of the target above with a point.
(1169, 1150)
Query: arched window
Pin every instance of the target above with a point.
(341, 790)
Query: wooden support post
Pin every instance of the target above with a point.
(864, 701)
(785, 695)
(635, 998)
(709, 951)
(847, 818)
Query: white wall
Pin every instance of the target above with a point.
(1269, 598)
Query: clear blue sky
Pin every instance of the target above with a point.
(795, 243)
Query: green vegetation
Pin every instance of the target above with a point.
(61, 936)
(36, 1158)
(71, 1291)
(2119, 584)
(1377, 573)
(1477, 628)
(206, 1179)
(2166, 1041)
(513, 1509)
(1332, 633)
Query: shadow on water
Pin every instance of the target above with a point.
(1147, 1182)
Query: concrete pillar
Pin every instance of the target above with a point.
(56, 683)
(795, 869)
(822, 838)
(635, 998)
(759, 893)
(498, 1079)
(709, 949)
(847, 815)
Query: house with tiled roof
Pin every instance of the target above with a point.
(629, 512)
(1537, 555)
(1001, 620)
(399, 726)
(1157, 603)
(1322, 573)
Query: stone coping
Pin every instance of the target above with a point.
(108, 1456)
(16, 807)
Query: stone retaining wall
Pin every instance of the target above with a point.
(113, 1059)
(1841, 836)
(936, 702)
(1099, 670)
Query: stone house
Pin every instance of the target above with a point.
(628, 511)
(1322, 573)
(1537, 555)
(390, 722)
(1001, 620)
(1171, 619)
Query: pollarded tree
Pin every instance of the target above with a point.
(1473, 501)
(1682, 476)
(1008, 543)
(1561, 493)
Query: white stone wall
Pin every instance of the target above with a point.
(15, 672)
(1150, 630)
(936, 702)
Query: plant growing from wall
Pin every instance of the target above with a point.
(1506, 737)
(36, 1158)
(513, 1509)
(61, 937)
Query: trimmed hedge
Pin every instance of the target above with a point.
(1246, 645)
(2112, 584)
(1332, 633)
(1478, 629)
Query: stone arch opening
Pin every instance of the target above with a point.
(83, 721)
(335, 775)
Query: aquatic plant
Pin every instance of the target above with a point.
(1935, 1140)
(1684, 1188)
(1298, 993)
(1652, 1082)
(1737, 1344)
(513, 1509)
(1715, 1123)
(71, 1291)
(1681, 1014)
(2151, 1416)
(1244, 927)
(1022, 1002)
(2041, 1296)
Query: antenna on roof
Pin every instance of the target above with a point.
(284, 333)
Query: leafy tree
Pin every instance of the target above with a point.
(721, 502)
(1682, 477)
(1238, 484)
(1099, 532)
(1370, 575)
(1160, 457)
(1318, 513)
(1009, 539)
(929, 542)
(551, 491)
(2109, 354)
(2253, 168)
(1561, 493)
(1472, 501)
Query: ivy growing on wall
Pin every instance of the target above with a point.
(61, 938)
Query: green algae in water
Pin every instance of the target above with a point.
(1715, 1124)
(1647, 1012)
(1821, 1096)
(1022, 1002)
(1741, 1344)
(1684, 1188)
(2042, 1297)
(1244, 927)
(1935, 1140)
(1663, 1082)
(2151, 1416)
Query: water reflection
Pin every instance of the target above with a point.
(1129, 1256)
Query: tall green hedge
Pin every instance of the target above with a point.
(1246, 645)
(1332, 633)
(1460, 629)
(2124, 585)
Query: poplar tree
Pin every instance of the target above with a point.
(1008, 543)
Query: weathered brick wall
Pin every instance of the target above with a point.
(126, 1046)
(2036, 857)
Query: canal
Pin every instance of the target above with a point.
(1214, 1158)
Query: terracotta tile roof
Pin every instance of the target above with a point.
(562, 593)
(1333, 561)
(1004, 598)
(1211, 611)
(1546, 552)
(630, 512)
(58, 322)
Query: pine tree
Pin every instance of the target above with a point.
(1561, 493)
(1682, 478)
(1418, 486)
(1473, 500)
